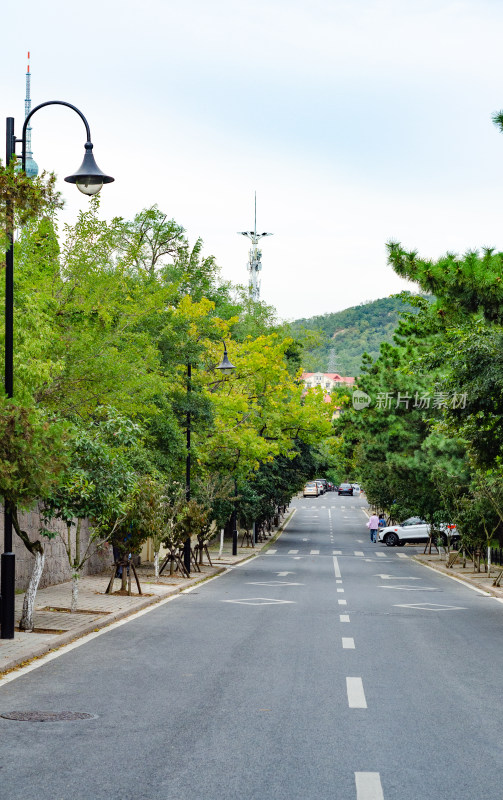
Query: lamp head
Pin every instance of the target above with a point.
(89, 178)
(225, 365)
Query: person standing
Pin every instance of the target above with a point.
(373, 525)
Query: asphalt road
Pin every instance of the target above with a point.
(327, 668)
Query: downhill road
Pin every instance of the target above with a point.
(327, 668)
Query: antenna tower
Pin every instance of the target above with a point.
(31, 165)
(254, 256)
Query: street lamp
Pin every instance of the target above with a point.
(89, 180)
(227, 368)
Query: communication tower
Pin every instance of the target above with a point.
(31, 165)
(254, 256)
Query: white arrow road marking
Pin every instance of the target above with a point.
(284, 574)
(337, 568)
(412, 588)
(430, 607)
(348, 643)
(272, 583)
(395, 577)
(258, 601)
(368, 786)
(356, 695)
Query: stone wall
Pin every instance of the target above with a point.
(57, 568)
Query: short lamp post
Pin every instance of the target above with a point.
(226, 368)
(89, 179)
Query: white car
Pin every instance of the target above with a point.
(356, 488)
(413, 529)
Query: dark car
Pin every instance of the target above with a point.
(345, 488)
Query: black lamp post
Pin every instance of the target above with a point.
(186, 545)
(89, 180)
(227, 368)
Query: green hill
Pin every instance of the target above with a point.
(346, 335)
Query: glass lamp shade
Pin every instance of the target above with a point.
(88, 186)
(89, 178)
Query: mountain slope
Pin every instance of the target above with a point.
(346, 335)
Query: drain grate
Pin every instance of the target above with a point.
(46, 716)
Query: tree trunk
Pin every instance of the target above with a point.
(75, 591)
(26, 622)
(156, 565)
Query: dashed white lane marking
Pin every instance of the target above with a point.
(360, 541)
(315, 552)
(401, 555)
(271, 552)
(337, 569)
(344, 617)
(342, 602)
(292, 552)
(337, 553)
(356, 695)
(348, 643)
(339, 590)
(381, 555)
(368, 786)
(358, 552)
(338, 581)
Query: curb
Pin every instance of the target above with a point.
(455, 576)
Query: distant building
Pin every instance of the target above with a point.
(325, 380)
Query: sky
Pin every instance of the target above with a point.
(356, 122)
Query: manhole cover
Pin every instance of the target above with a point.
(46, 716)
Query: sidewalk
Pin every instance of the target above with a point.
(55, 626)
(478, 580)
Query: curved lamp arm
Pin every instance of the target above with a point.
(88, 178)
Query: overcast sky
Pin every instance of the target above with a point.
(356, 122)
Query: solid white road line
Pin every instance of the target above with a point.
(344, 617)
(348, 643)
(368, 786)
(337, 569)
(342, 602)
(356, 695)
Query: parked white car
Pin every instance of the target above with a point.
(413, 529)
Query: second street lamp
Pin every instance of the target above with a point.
(227, 368)
(89, 179)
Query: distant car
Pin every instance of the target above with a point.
(345, 488)
(321, 486)
(413, 529)
(311, 489)
(323, 482)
